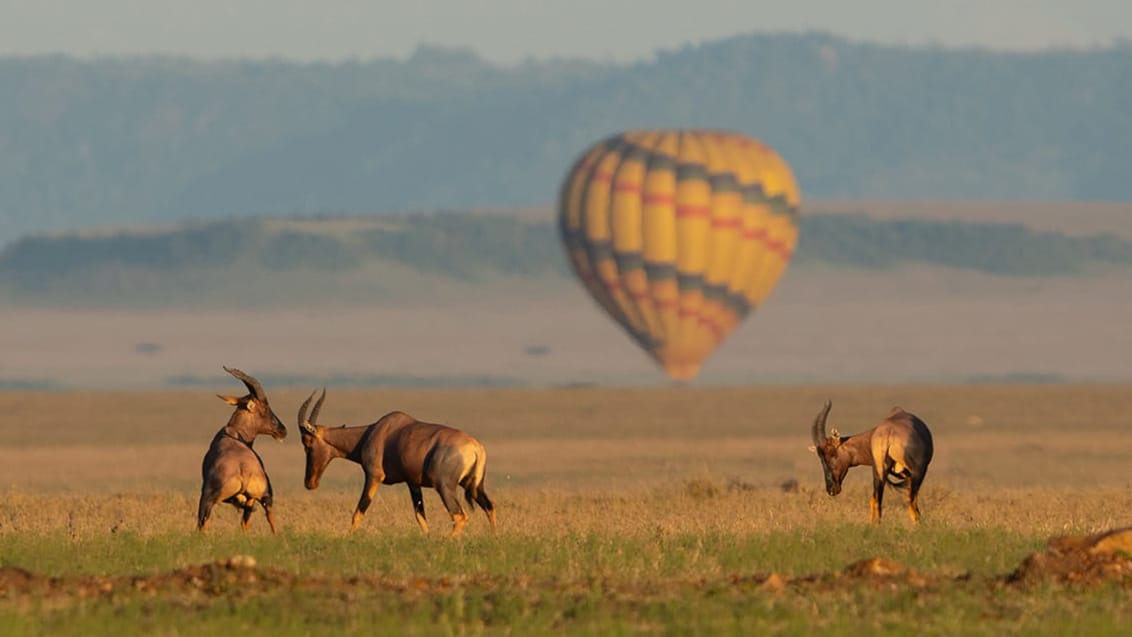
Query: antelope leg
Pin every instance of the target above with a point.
(369, 490)
(418, 506)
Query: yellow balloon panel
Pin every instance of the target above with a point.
(678, 235)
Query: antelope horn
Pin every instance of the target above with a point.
(818, 431)
(317, 406)
(252, 384)
(304, 424)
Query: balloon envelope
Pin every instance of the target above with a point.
(678, 235)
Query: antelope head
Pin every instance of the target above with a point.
(253, 416)
(319, 452)
(834, 464)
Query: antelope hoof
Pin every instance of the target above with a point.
(458, 523)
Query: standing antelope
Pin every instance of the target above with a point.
(232, 471)
(400, 448)
(899, 447)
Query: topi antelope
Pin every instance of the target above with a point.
(400, 448)
(232, 471)
(899, 447)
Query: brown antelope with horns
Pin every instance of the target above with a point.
(899, 447)
(400, 448)
(232, 471)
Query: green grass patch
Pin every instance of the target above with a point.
(649, 555)
(507, 609)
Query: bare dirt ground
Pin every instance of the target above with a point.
(239, 576)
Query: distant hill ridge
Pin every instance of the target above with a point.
(367, 259)
(128, 141)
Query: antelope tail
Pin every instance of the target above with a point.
(473, 482)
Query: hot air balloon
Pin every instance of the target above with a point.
(678, 235)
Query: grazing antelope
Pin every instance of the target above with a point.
(400, 448)
(899, 447)
(232, 471)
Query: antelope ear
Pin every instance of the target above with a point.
(250, 405)
(835, 434)
(231, 400)
(812, 449)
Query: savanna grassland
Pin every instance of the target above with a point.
(622, 511)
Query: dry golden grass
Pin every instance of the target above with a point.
(700, 507)
(620, 510)
(1026, 458)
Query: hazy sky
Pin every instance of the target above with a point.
(507, 31)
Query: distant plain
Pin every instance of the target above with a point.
(823, 323)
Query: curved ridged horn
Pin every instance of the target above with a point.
(818, 432)
(317, 406)
(252, 384)
(303, 423)
(309, 424)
